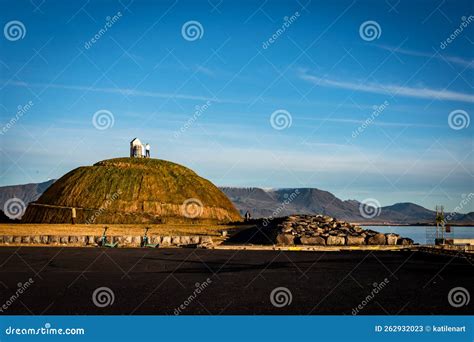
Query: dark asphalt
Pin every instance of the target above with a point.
(157, 281)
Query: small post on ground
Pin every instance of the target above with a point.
(73, 215)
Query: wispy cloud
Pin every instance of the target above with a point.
(206, 71)
(122, 91)
(374, 123)
(389, 89)
(467, 63)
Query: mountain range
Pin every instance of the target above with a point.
(26, 192)
(281, 202)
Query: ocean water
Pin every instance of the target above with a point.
(424, 234)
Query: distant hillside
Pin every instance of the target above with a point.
(401, 212)
(262, 203)
(26, 192)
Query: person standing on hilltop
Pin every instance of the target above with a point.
(247, 216)
(147, 150)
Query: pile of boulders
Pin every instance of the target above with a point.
(326, 230)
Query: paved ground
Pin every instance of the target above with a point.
(158, 281)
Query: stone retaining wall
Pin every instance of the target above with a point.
(93, 240)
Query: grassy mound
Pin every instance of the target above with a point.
(131, 190)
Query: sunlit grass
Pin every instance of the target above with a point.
(114, 229)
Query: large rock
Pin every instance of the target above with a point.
(136, 241)
(53, 239)
(185, 240)
(285, 239)
(336, 240)
(391, 239)
(355, 240)
(127, 240)
(377, 239)
(207, 240)
(405, 241)
(166, 240)
(155, 239)
(314, 240)
(327, 219)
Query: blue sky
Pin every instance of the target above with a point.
(318, 71)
